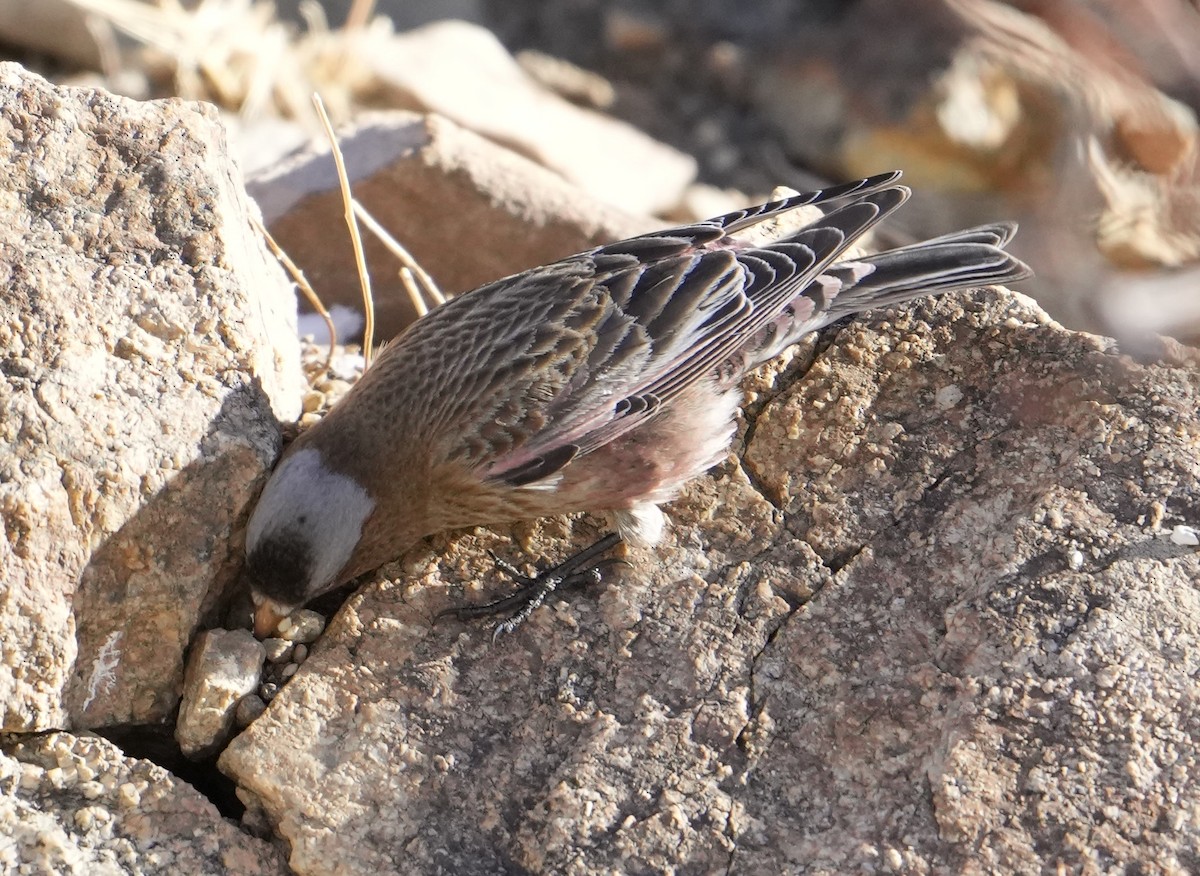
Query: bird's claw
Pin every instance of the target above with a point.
(509, 569)
(578, 570)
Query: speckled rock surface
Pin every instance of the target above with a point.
(145, 353)
(928, 618)
(75, 805)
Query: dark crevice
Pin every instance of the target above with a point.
(754, 699)
(156, 743)
(840, 560)
(755, 483)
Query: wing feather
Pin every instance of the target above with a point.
(679, 303)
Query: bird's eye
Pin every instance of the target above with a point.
(302, 519)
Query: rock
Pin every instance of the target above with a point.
(461, 71)
(57, 28)
(249, 710)
(303, 625)
(462, 206)
(957, 123)
(224, 667)
(702, 202)
(1076, 117)
(572, 82)
(261, 142)
(278, 650)
(1185, 535)
(76, 804)
(147, 352)
(929, 614)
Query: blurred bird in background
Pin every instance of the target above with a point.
(601, 382)
(1121, 241)
(1079, 118)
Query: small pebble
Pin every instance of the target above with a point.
(248, 709)
(223, 667)
(290, 670)
(1185, 536)
(300, 653)
(256, 823)
(333, 388)
(268, 691)
(304, 626)
(31, 777)
(313, 401)
(279, 650)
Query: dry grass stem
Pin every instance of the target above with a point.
(414, 292)
(303, 284)
(360, 261)
(241, 56)
(428, 294)
(359, 14)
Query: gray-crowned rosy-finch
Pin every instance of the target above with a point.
(602, 382)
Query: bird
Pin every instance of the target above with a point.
(602, 382)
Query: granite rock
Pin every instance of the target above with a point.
(928, 616)
(76, 805)
(148, 350)
(223, 668)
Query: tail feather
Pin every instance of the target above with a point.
(997, 234)
(957, 261)
(962, 260)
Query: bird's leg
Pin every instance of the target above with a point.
(579, 568)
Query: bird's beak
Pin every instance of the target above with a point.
(267, 615)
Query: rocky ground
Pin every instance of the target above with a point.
(935, 613)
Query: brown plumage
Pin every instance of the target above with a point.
(602, 382)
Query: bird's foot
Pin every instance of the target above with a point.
(577, 570)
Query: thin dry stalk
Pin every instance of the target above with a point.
(428, 288)
(414, 293)
(360, 260)
(360, 13)
(303, 284)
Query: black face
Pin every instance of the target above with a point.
(279, 569)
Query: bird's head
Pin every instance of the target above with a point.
(301, 537)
